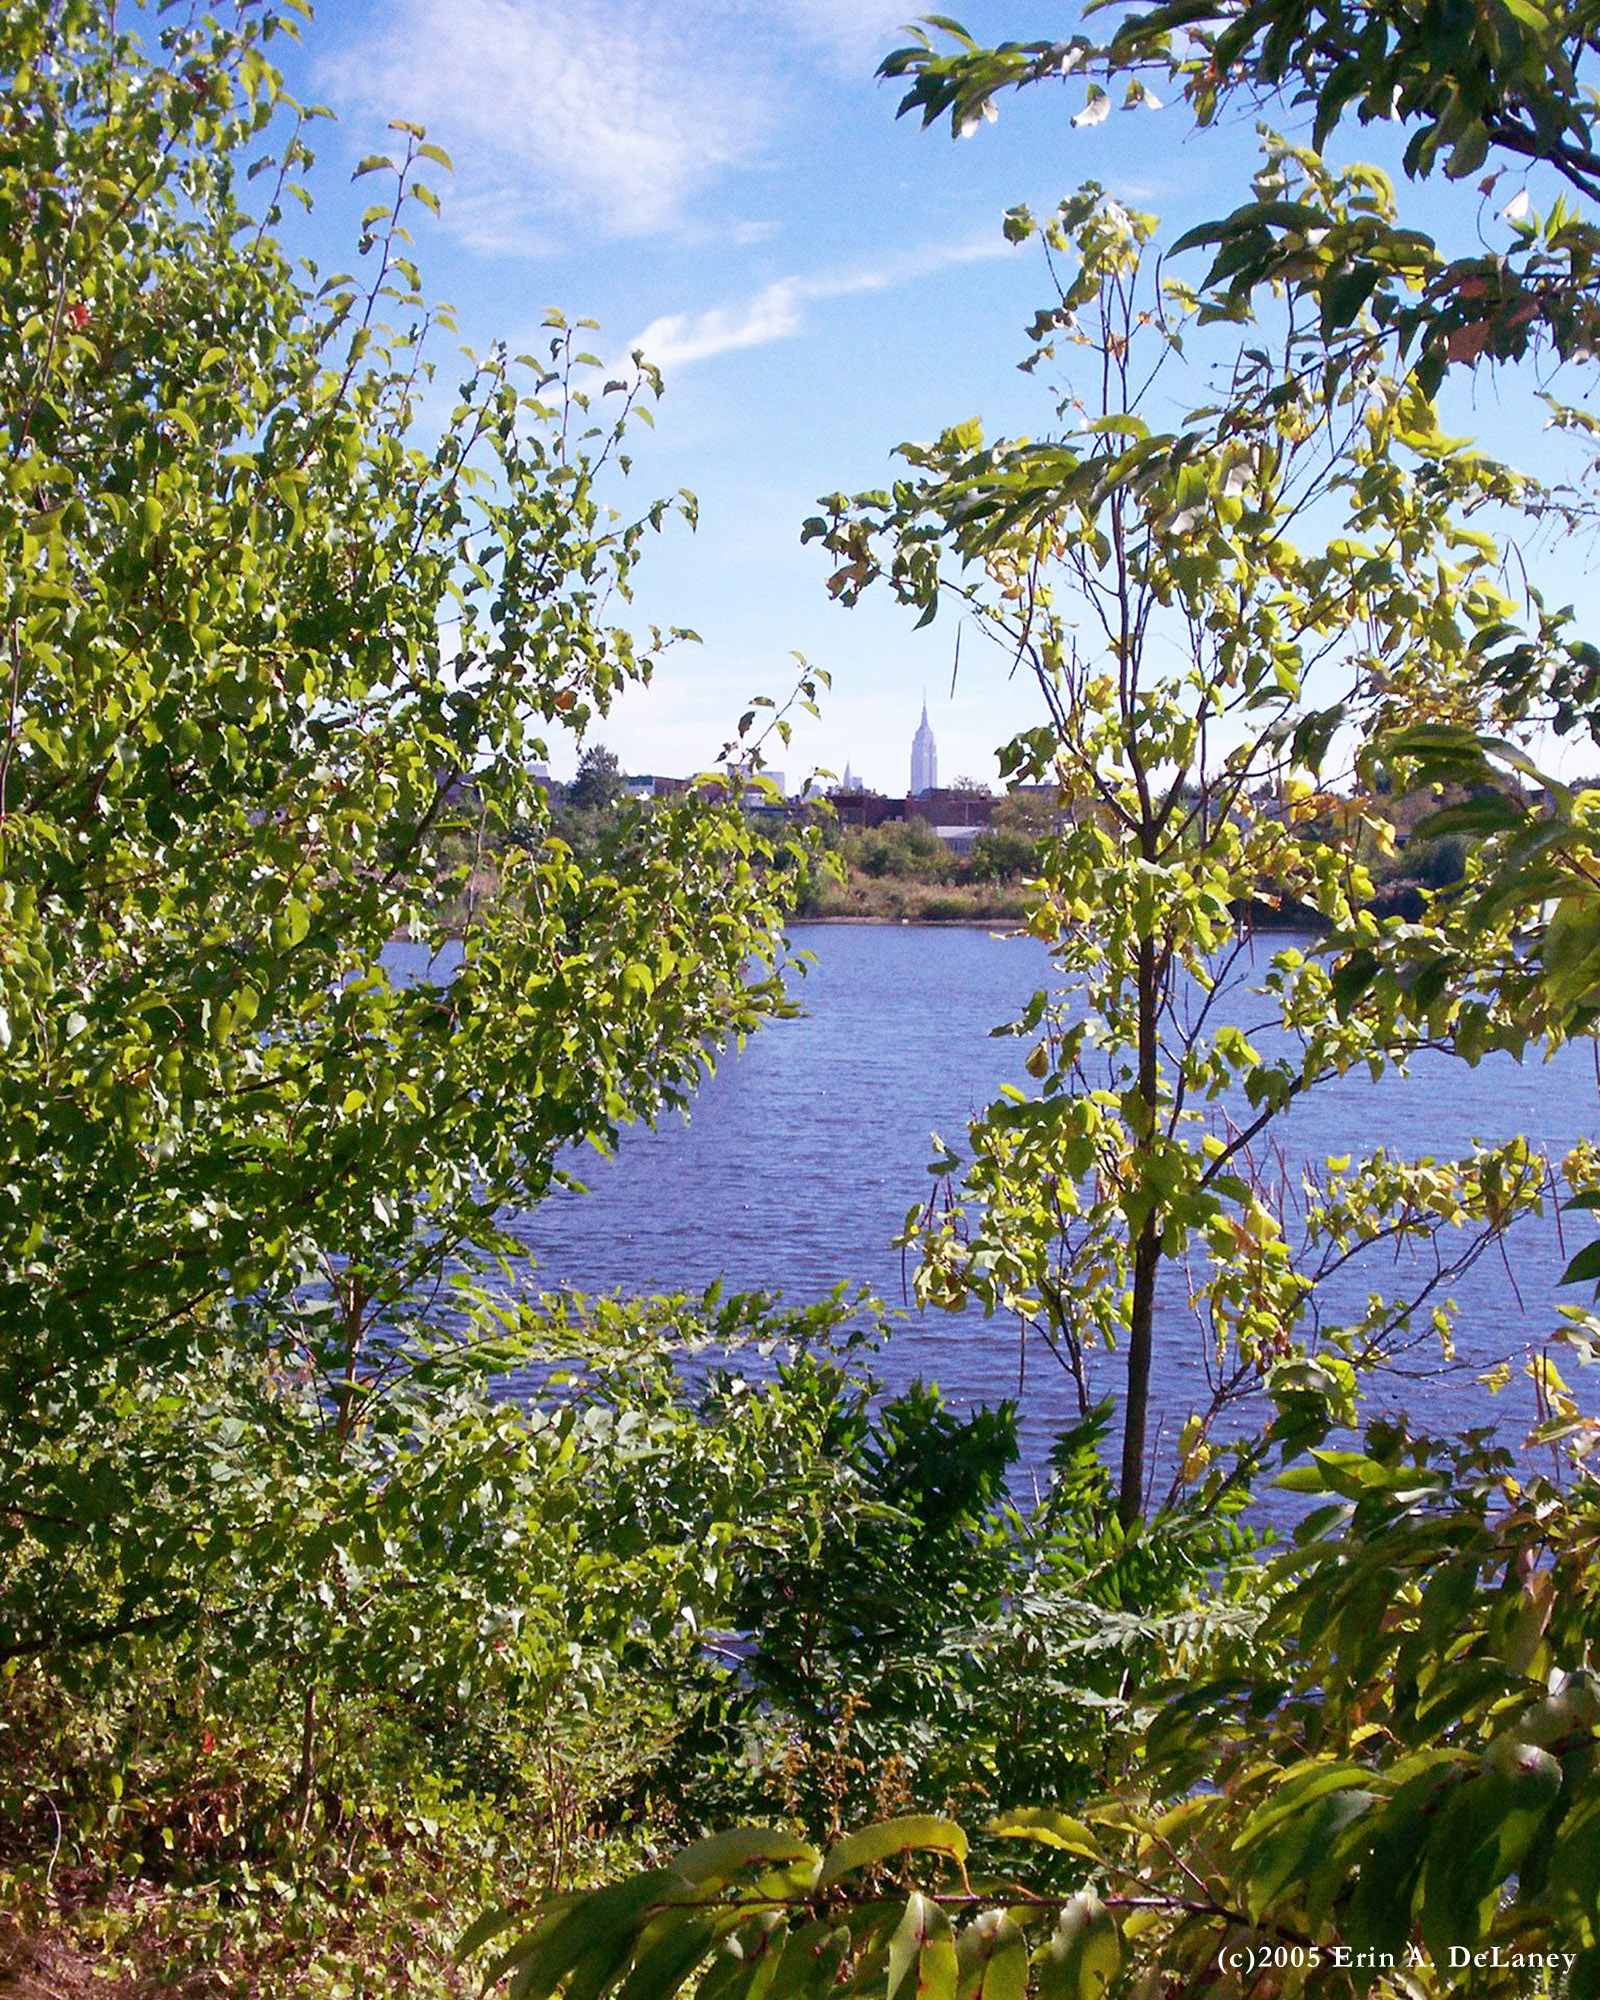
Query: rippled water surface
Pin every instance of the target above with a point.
(804, 1154)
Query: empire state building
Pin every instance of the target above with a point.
(924, 757)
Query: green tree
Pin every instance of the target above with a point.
(935, 1638)
(899, 849)
(1403, 1799)
(1193, 661)
(274, 653)
(598, 784)
(1001, 853)
(1502, 89)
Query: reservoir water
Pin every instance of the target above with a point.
(804, 1153)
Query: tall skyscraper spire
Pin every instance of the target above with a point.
(924, 756)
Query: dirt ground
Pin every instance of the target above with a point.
(46, 1969)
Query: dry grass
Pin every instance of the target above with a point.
(889, 900)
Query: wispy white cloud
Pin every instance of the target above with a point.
(776, 312)
(676, 339)
(611, 114)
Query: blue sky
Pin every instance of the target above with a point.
(725, 181)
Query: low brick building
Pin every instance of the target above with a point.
(861, 810)
(944, 808)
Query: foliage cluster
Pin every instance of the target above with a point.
(939, 1641)
(307, 1635)
(284, 1587)
(1402, 1797)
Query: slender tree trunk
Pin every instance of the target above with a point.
(1141, 1326)
(1146, 1255)
(308, 1768)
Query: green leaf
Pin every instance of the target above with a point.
(1584, 1266)
(810, 1962)
(1344, 295)
(663, 1964)
(1352, 978)
(1494, 813)
(1285, 1863)
(1572, 950)
(1053, 1829)
(722, 1855)
(1083, 1955)
(873, 1844)
(1583, 1982)
(992, 1959)
(492, 1922)
(1575, 1864)
(922, 1953)
(595, 1923)
(1255, 215)
(1482, 1835)
(1378, 1917)
(596, 1972)
(1124, 425)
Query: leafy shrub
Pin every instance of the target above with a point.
(906, 850)
(1002, 853)
(934, 1639)
(1399, 1791)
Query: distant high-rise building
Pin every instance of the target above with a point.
(924, 757)
(850, 782)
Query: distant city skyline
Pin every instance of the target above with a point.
(842, 776)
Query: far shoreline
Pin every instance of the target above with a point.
(1261, 917)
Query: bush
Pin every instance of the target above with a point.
(1001, 854)
(905, 850)
(935, 1639)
